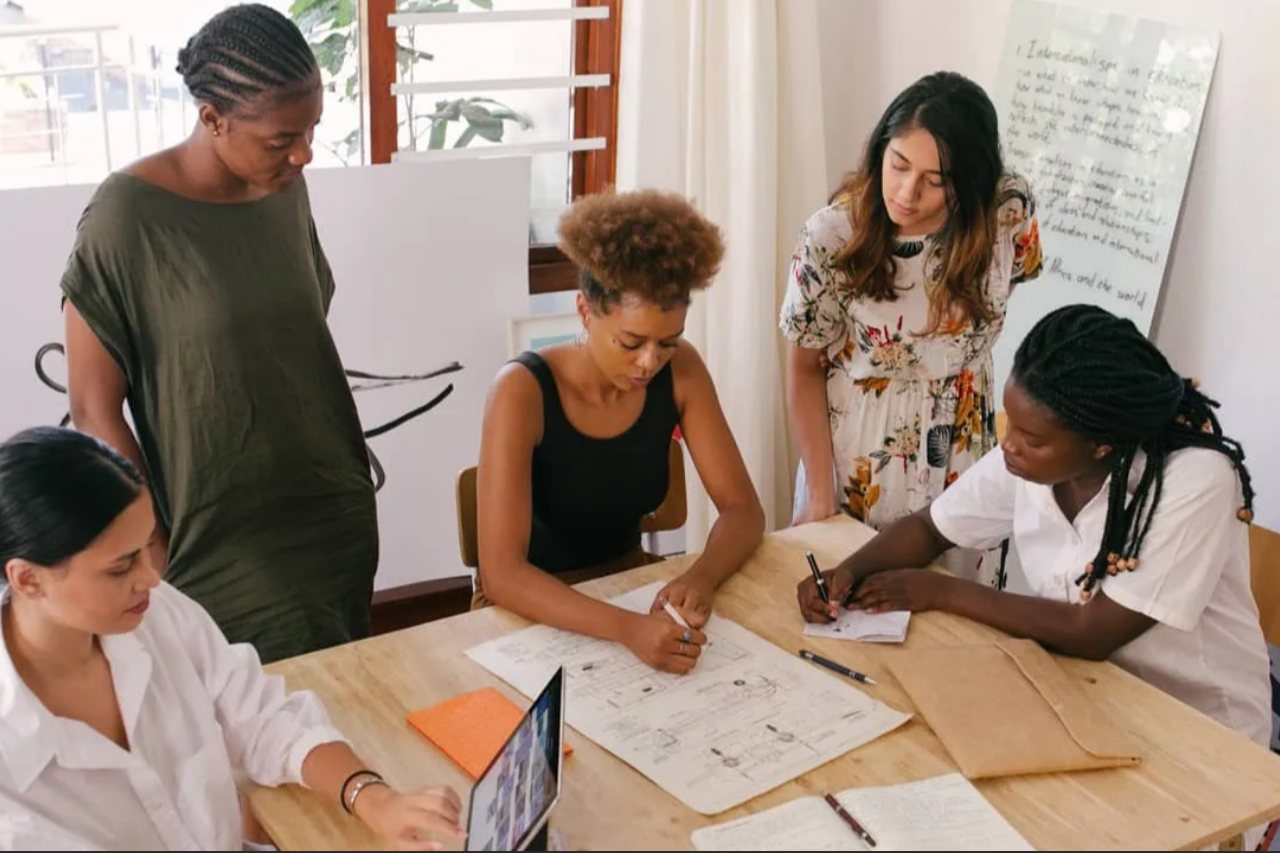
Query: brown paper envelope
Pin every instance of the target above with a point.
(1008, 708)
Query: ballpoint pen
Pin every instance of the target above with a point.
(835, 667)
(849, 819)
(818, 578)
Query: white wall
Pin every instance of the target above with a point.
(1220, 290)
(404, 242)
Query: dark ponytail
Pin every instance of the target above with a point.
(59, 490)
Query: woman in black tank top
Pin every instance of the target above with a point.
(576, 436)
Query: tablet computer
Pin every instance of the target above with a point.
(513, 798)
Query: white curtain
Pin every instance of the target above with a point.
(721, 100)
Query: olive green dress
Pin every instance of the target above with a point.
(216, 313)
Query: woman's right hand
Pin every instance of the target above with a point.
(412, 821)
(812, 607)
(816, 508)
(662, 644)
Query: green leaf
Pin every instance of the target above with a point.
(412, 7)
(487, 5)
(351, 144)
(438, 131)
(447, 111)
(331, 53)
(464, 138)
(406, 54)
(508, 114)
(473, 112)
(346, 13)
(490, 129)
(353, 87)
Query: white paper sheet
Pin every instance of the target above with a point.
(750, 717)
(943, 813)
(864, 627)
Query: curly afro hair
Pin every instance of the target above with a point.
(646, 244)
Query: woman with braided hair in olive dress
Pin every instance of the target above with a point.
(197, 293)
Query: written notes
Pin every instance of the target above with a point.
(1100, 113)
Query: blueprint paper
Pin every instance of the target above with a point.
(750, 717)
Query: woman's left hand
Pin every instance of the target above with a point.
(905, 589)
(690, 595)
(408, 821)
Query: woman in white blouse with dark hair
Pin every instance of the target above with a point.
(124, 712)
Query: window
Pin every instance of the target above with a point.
(86, 86)
(450, 79)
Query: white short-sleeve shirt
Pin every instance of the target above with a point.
(196, 710)
(1206, 647)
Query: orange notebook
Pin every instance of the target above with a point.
(471, 728)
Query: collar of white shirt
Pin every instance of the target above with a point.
(31, 736)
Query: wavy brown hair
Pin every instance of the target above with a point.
(648, 244)
(960, 117)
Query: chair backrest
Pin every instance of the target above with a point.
(670, 515)
(468, 541)
(1264, 568)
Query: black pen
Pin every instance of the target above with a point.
(835, 667)
(817, 577)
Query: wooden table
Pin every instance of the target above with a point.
(1199, 783)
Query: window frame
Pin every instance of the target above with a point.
(597, 50)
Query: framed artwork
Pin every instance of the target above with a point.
(542, 330)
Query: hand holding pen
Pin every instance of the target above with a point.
(822, 593)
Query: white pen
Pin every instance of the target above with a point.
(676, 617)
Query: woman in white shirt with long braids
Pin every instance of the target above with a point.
(124, 712)
(1128, 507)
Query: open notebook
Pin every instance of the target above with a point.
(943, 813)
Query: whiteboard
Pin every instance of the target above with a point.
(1101, 113)
(431, 264)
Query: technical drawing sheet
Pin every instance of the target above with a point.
(750, 717)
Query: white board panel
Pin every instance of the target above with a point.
(1101, 112)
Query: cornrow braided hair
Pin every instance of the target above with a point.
(1103, 379)
(242, 53)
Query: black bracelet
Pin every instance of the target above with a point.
(342, 792)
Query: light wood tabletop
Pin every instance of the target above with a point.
(1198, 783)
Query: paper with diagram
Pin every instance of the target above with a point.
(749, 718)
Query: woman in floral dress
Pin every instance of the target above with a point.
(896, 295)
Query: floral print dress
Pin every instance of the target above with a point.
(909, 412)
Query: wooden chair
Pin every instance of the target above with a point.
(1264, 572)
(670, 515)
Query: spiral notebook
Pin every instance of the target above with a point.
(942, 813)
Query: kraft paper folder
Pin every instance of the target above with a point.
(1008, 708)
(471, 728)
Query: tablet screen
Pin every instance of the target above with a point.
(511, 801)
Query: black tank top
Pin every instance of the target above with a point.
(589, 494)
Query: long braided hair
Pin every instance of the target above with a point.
(1104, 380)
(244, 52)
